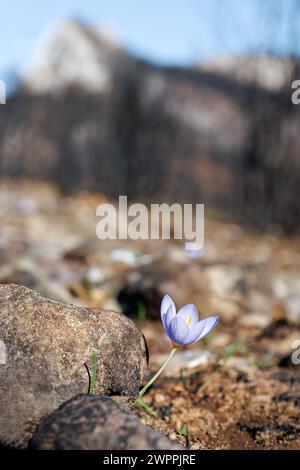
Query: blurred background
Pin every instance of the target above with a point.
(185, 101)
(174, 101)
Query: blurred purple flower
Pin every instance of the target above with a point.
(184, 327)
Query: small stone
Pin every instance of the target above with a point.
(159, 399)
(220, 340)
(189, 359)
(259, 320)
(83, 252)
(241, 364)
(88, 422)
(224, 279)
(129, 257)
(94, 275)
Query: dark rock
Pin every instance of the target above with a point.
(293, 397)
(47, 344)
(287, 377)
(90, 422)
(286, 362)
(140, 296)
(82, 252)
(24, 278)
(144, 292)
(271, 330)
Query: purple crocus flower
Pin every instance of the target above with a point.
(184, 327)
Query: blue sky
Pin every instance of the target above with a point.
(166, 31)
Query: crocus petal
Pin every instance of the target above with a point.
(201, 329)
(166, 303)
(189, 314)
(167, 317)
(177, 330)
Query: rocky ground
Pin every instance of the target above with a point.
(238, 388)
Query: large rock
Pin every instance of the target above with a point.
(47, 344)
(89, 422)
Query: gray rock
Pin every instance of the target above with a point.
(90, 422)
(47, 344)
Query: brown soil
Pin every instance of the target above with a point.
(240, 402)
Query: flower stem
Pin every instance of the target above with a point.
(144, 390)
